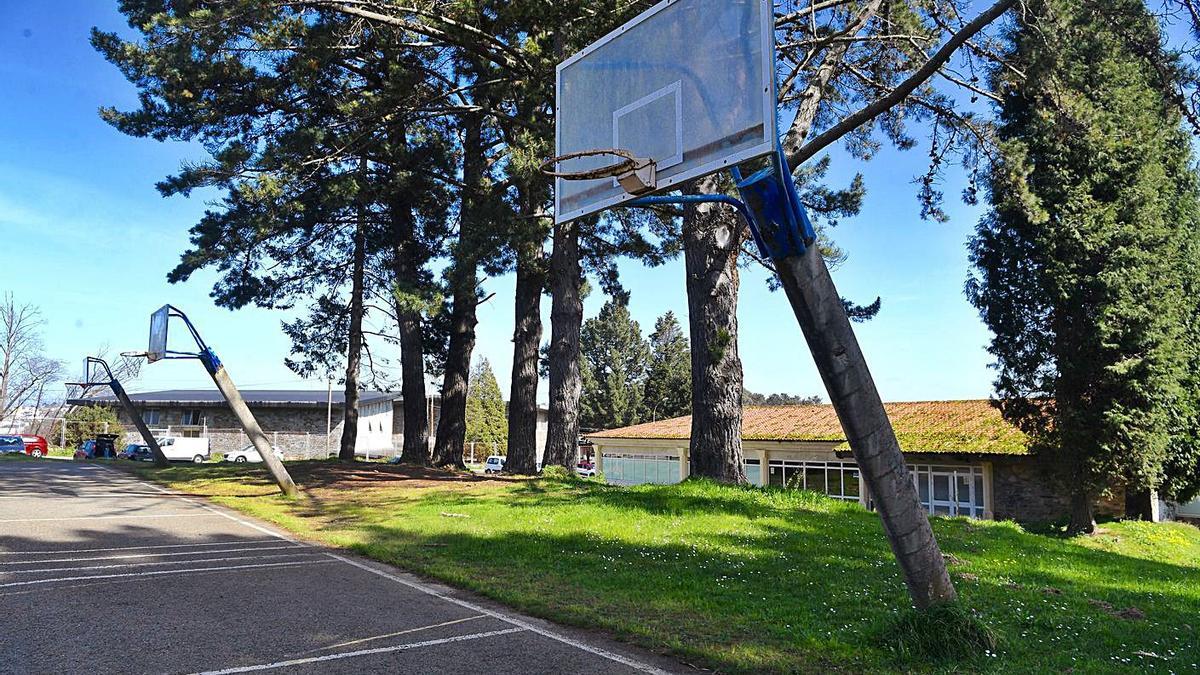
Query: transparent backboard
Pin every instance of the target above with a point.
(158, 334)
(689, 84)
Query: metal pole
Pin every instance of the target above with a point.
(159, 458)
(843, 368)
(328, 415)
(249, 424)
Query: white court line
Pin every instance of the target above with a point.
(129, 556)
(361, 652)
(136, 548)
(160, 572)
(73, 492)
(611, 656)
(147, 564)
(160, 515)
(397, 633)
(597, 651)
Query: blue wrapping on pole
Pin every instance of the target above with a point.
(770, 205)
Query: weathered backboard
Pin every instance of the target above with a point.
(689, 84)
(158, 334)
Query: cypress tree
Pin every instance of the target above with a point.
(1082, 263)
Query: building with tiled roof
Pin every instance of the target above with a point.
(964, 456)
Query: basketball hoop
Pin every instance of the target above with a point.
(636, 175)
(136, 355)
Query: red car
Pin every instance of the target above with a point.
(35, 446)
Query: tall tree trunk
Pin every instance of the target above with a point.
(1083, 521)
(527, 338)
(412, 389)
(712, 240)
(566, 319)
(452, 427)
(843, 369)
(354, 348)
(407, 295)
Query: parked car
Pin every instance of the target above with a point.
(11, 445)
(494, 464)
(250, 454)
(184, 449)
(35, 446)
(136, 451)
(585, 469)
(103, 445)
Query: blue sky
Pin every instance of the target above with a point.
(87, 238)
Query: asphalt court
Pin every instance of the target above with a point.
(102, 573)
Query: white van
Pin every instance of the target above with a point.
(181, 449)
(494, 464)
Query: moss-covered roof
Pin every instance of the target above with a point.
(973, 426)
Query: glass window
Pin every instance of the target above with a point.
(850, 481)
(814, 478)
(753, 471)
(150, 416)
(941, 487)
(775, 474)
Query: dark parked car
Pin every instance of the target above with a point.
(11, 445)
(130, 450)
(103, 445)
(35, 446)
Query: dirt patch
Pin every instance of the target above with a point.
(321, 476)
(1130, 614)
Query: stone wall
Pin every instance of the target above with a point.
(1027, 489)
(298, 431)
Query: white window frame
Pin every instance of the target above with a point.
(802, 467)
(973, 504)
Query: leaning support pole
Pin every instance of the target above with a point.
(159, 458)
(822, 317)
(249, 424)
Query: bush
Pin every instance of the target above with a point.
(942, 633)
(559, 473)
(86, 421)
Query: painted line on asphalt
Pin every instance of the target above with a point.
(160, 573)
(129, 556)
(74, 493)
(147, 564)
(127, 517)
(206, 507)
(137, 548)
(396, 634)
(361, 652)
(596, 651)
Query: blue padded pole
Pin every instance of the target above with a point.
(654, 200)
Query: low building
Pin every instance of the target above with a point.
(965, 458)
(301, 423)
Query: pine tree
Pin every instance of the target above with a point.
(668, 391)
(486, 420)
(1083, 261)
(613, 360)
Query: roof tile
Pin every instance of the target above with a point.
(971, 426)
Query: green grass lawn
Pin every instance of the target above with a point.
(742, 579)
